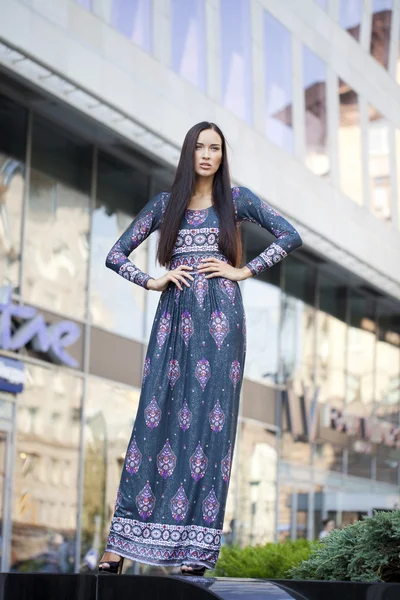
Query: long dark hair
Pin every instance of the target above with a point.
(181, 192)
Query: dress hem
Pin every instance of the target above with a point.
(155, 563)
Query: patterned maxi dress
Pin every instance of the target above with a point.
(171, 500)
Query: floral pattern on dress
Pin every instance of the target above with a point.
(228, 287)
(133, 458)
(210, 507)
(200, 288)
(217, 418)
(185, 417)
(146, 370)
(196, 217)
(234, 373)
(179, 505)
(174, 372)
(219, 327)
(198, 463)
(203, 372)
(166, 461)
(152, 414)
(164, 329)
(141, 229)
(226, 464)
(186, 328)
(145, 502)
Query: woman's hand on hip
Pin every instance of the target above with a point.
(218, 268)
(177, 276)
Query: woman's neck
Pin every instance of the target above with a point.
(202, 193)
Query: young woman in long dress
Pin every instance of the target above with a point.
(171, 500)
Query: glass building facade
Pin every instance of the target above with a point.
(319, 426)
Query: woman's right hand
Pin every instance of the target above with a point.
(177, 276)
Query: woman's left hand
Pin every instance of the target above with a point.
(219, 268)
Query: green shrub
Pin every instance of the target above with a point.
(368, 550)
(270, 561)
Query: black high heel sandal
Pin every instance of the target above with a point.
(114, 566)
(195, 570)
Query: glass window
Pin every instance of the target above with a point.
(328, 457)
(256, 491)
(58, 221)
(388, 362)
(46, 472)
(387, 464)
(133, 19)
(188, 39)
(380, 33)
(108, 427)
(350, 16)
(331, 342)
(359, 464)
(379, 164)
(349, 143)
(236, 57)
(278, 83)
(12, 181)
(361, 355)
(314, 83)
(116, 303)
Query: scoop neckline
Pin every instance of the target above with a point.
(200, 209)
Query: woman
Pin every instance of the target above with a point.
(171, 500)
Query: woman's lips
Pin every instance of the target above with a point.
(205, 166)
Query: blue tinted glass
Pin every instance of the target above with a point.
(188, 38)
(314, 82)
(236, 70)
(278, 82)
(86, 3)
(133, 19)
(350, 16)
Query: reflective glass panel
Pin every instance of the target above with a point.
(388, 363)
(133, 19)
(12, 181)
(387, 464)
(57, 228)
(257, 466)
(350, 16)
(349, 143)
(361, 355)
(359, 462)
(116, 303)
(380, 33)
(46, 472)
(379, 164)
(236, 69)
(108, 427)
(314, 84)
(188, 39)
(278, 83)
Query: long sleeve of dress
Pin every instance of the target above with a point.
(147, 221)
(251, 208)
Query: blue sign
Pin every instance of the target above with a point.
(12, 375)
(49, 339)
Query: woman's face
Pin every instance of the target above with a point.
(208, 153)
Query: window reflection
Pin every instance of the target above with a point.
(108, 426)
(350, 16)
(387, 464)
(278, 83)
(328, 457)
(257, 485)
(314, 83)
(236, 57)
(349, 142)
(379, 164)
(188, 39)
(46, 472)
(117, 304)
(12, 175)
(380, 32)
(133, 19)
(359, 464)
(262, 305)
(388, 363)
(361, 353)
